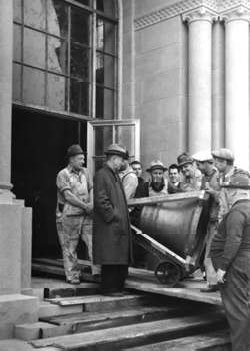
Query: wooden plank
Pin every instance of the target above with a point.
(210, 341)
(136, 334)
(183, 293)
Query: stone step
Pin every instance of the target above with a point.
(136, 334)
(219, 341)
(46, 309)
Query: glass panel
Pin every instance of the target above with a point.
(34, 48)
(17, 42)
(18, 10)
(105, 70)
(33, 86)
(79, 96)
(57, 55)
(35, 13)
(85, 2)
(99, 163)
(16, 82)
(103, 138)
(58, 18)
(104, 103)
(106, 36)
(79, 26)
(80, 62)
(106, 6)
(56, 92)
(125, 135)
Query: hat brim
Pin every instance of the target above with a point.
(185, 163)
(221, 157)
(75, 154)
(156, 167)
(117, 153)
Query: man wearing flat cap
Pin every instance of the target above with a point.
(128, 178)
(224, 162)
(191, 176)
(74, 212)
(158, 184)
(210, 183)
(112, 240)
(230, 254)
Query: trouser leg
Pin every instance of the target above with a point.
(113, 278)
(235, 298)
(86, 236)
(69, 229)
(210, 271)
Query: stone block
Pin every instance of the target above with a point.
(47, 309)
(26, 248)
(16, 309)
(10, 248)
(32, 331)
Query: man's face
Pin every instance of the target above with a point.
(137, 168)
(124, 165)
(174, 175)
(157, 175)
(201, 166)
(77, 161)
(187, 169)
(220, 164)
(118, 162)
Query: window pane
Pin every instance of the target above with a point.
(99, 163)
(79, 96)
(105, 70)
(34, 48)
(58, 18)
(57, 55)
(35, 13)
(125, 135)
(103, 138)
(56, 92)
(17, 42)
(106, 36)
(79, 26)
(33, 86)
(104, 103)
(85, 2)
(106, 6)
(80, 62)
(16, 82)
(17, 11)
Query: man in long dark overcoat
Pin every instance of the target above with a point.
(111, 226)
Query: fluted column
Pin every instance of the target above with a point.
(237, 83)
(200, 78)
(6, 44)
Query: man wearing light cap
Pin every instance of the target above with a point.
(230, 254)
(112, 240)
(191, 176)
(210, 183)
(158, 184)
(74, 212)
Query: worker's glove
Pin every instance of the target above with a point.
(220, 276)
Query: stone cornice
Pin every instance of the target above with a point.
(181, 7)
(200, 14)
(237, 13)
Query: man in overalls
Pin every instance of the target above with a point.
(74, 212)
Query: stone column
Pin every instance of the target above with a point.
(6, 44)
(237, 83)
(200, 78)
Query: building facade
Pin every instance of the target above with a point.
(161, 77)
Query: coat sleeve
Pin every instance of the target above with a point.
(102, 202)
(234, 232)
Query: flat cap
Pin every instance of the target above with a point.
(224, 154)
(184, 159)
(74, 150)
(239, 180)
(116, 149)
(156, 164)
(203, 156)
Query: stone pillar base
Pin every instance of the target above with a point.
(16, 309)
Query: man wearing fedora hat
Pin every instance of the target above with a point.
(158, 184)
(191, 176)
(230, 254)
(74, 212)
(112, 240)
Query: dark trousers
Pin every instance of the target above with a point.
(235, 294)
(113, 278)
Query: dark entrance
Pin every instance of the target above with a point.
(39, 144)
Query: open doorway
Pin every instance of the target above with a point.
(39, 144)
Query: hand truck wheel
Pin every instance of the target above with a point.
(168, 273)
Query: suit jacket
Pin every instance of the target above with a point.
(111, 227)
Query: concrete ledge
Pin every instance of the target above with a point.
(31, 331)
(18, 345)
(16, 309)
